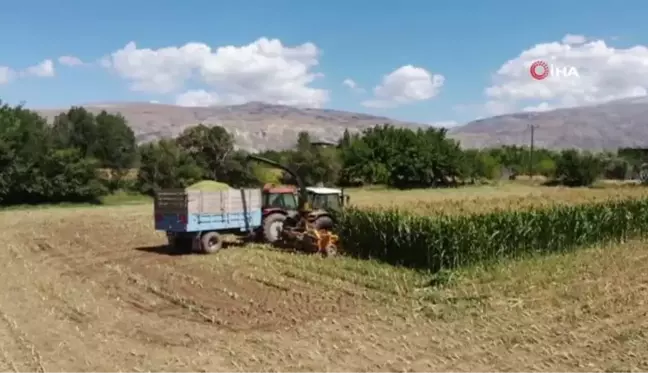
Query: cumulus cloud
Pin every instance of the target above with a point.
(44, 69)
(604, 73)
(574, 39)
(265, 70)
(405, 85)
(200, 97)
(352, 85)
(70, 61)
(6, 74)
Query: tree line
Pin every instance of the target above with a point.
(82, 156)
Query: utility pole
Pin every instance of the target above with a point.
(533, 127)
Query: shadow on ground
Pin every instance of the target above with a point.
(170, 251)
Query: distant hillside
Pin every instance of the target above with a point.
(256, 126)
(259, 126)
(622, 123)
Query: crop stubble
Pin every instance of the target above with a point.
(82, 290)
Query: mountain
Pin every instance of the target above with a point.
(615, 124)
(259, 126)
(255, 126)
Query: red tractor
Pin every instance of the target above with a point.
(279, 201)
(289, 211)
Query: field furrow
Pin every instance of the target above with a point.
(94, 289)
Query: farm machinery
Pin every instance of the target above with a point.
(308, 226)
(301, 218)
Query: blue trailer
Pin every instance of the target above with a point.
(197, 219)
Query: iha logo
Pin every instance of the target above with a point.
(541, 70)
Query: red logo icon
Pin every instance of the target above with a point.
(539, 70)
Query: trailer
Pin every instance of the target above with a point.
(196, 220)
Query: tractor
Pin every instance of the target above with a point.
(309, 225)
(277, 200)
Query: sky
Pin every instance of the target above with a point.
(437, 62)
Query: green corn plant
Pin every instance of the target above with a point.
(451, 241)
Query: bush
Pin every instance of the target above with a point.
(576, 169)
(449, 242)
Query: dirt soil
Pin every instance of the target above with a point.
(94, 290)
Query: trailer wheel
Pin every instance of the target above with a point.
(211, 242)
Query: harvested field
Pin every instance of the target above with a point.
(94, 289)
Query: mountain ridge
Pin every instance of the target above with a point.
(605, 126)
(258, 126)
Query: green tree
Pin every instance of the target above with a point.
(34, 168)
(165, 165)
(577, 169)
(77, 129)
(313, 164)
(210, 147)
(68, 176)
(116, 149)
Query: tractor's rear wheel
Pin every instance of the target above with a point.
(272, 227)
(210, 242)
(323, 222)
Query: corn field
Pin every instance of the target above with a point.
(484, 199)
(449, 241)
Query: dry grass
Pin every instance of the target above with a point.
(91, 289)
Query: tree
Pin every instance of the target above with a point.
(68, 176)
(401, 157)
(209, 147)
(116, 149)
(78, 129)
(479, 165)
(314, 164)
(577, 169)
(23, 146)
(34, 170)
(165, 165)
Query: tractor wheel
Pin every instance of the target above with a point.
(210, 242)
(324, 222)
(272, 227)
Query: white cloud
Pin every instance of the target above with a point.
(43, 70)
(70, 61)
(405, 85)
(351, 84)
(604, 73)
(264, 70)
(445, 123)
(197, 98)
(104, 62)
(543, 106)
(6, 74)
(200, 97)
(574, 39)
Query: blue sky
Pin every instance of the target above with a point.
(465, 41)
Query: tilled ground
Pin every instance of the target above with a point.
(94, 289)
